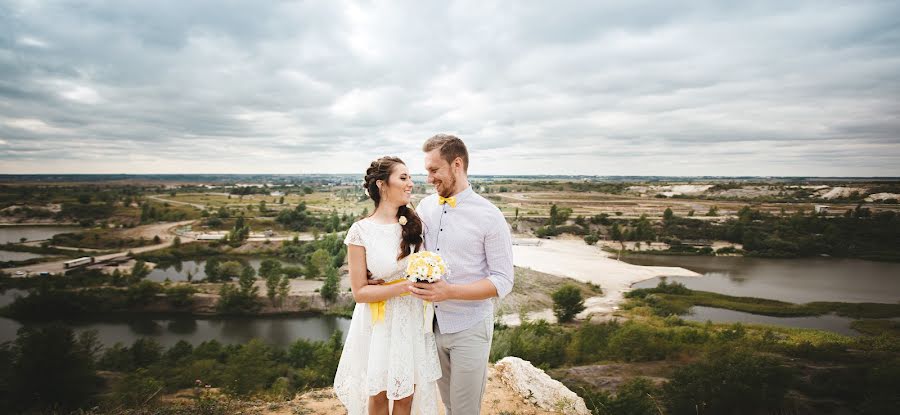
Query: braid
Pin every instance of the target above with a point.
(412, 231)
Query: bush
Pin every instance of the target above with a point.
(728, 383)
(567, 302)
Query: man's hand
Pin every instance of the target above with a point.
(370, 281)
(435, 292)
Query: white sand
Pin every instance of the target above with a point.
(577, 260)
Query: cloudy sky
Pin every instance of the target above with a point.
(606, 88)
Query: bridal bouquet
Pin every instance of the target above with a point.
(425, 266)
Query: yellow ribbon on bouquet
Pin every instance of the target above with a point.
(377, 308)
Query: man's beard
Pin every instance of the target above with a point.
(446, 187)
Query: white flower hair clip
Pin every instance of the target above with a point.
(402, 220)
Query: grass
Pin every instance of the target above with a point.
(675, 299)
(877, 327)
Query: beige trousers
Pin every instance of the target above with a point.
(464, 358)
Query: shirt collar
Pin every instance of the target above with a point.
(463, 195)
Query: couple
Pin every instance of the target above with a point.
(392, 354)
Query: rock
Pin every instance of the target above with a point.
(539, 388)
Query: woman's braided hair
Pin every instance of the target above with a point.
(381, 169)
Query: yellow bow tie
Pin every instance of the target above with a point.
(448, 200)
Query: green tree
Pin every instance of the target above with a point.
(713, 211)
(176, 243)
(50, 369)
(211, 269)
(139, 271)
(284, 287)
(230, 270)
(317, 263)
(567, 302)
(728, 383)
(668, 214)
(249, 370)
(331, 287)
(270, 271)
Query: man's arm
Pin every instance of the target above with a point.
(498, 250)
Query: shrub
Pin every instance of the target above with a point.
(728, 382)
(567, 302)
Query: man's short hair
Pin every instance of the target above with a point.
(450, 147)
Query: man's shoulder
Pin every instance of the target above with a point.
(483, 202)
(428, 201)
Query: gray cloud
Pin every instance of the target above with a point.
(609, 88)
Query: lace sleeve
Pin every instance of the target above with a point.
(354, 236)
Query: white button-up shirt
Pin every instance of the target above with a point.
(474, 240)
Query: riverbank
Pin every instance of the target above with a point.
(572, 258)
(674, 298)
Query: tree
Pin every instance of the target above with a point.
(284, 288)
(211, 269)
(50, 369)
(247, 281)
(269, 267)
(230, 270)
(567, 302)
(727, 383)
(318, 262)
(554, 215)
(176, 243)
(139, 271)
(668, 214)
(713, 211)
(270, 270)
(330, 288)
(262, 206)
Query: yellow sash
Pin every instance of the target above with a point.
(377, 309)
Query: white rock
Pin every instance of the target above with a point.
(537, 387)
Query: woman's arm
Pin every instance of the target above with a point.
(362, 291)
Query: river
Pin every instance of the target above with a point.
(32, 232)
(800, 280)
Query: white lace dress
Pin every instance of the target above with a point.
(394, 355)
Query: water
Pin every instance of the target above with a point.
(196, 268)
(8, 296)
(17, 256)
(793, 280)
(829, 322)
(32, 232)
(280, 331)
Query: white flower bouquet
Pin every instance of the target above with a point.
(425, 266)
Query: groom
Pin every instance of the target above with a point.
(472, 236)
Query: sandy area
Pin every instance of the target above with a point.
(577, 260)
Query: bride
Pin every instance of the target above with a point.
(388, 355)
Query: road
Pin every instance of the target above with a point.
(163, 230)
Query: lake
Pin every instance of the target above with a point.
(179, 272)
(280, 331)
(33, 232)
(829, 322)
(800, 280)
(17, 256)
